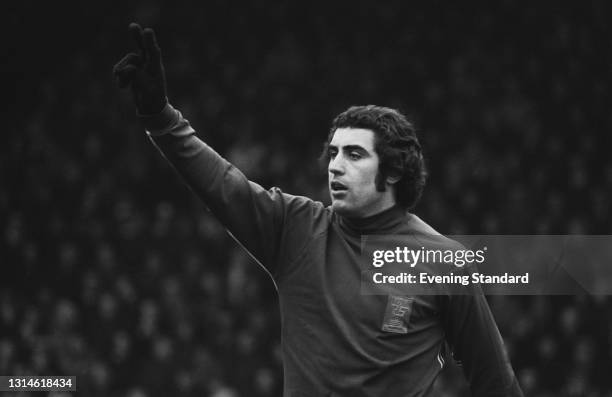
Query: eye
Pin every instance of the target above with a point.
(355, 155)
(332, 152)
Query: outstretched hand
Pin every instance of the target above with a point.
(143, 72)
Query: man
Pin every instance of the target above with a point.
(336, 341)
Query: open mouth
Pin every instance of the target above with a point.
(337, 186)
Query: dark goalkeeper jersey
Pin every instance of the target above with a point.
(337, 341)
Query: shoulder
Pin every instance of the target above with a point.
(419, 226)
(296, 202)
(301, 210)
(429, 236)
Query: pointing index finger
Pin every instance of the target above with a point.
(150, 44)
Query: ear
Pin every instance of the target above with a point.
(393, 179)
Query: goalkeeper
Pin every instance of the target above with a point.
(335, 340)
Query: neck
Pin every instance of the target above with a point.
(373, 212)
(380, 222)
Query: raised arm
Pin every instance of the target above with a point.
(256, 217)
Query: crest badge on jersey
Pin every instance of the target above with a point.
(397, 314)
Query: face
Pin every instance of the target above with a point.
(352, 171)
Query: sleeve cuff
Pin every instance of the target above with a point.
(162, 122)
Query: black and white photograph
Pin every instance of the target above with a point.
(306, 199)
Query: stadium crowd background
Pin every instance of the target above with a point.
(113, 271)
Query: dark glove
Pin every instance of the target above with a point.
(143, 72)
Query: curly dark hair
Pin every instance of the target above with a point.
(395, 143)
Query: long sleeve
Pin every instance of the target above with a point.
(476, 342)
(255, 217)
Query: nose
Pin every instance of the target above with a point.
(336, 165)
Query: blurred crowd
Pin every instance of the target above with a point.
(113, 271)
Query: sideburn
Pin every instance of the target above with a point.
(380, 180)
